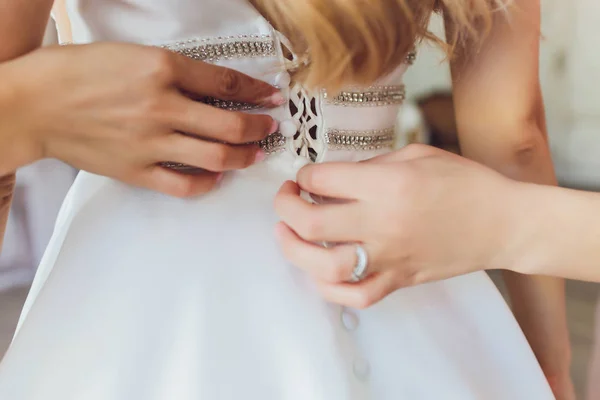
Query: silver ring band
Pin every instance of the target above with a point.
(362, 262)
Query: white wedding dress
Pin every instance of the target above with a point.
(145, 297)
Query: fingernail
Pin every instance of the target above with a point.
(260, 156)
(274, 127)
(277, 99)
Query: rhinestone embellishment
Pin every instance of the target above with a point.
(251, 46)
(215, 49)
(180, 167)
(372, 96)
(337, 139)
(229, 105)
(273, 143)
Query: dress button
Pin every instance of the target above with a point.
(350, 320)
(361, 369)
(300, 162)
(288, 128)
(282, 80)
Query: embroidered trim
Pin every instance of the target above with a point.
(338, 139)
(180, 167)
(371, 96)
(272, 143)
(229, 105)
(303, 107)
(215, 49)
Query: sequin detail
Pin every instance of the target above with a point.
(273, 143)
(338, 139)
(372, 96)
(229, 105)
(180, 167)
(215, 49)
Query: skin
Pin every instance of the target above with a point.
(523, 155)
(505, 131)
(120, 119)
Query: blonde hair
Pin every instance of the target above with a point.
(342, 42)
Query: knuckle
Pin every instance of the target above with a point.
(161, 65)
(219, 157)
(405, 180)
(279, 204)
(336, 272)
(183, 188)
(210, 185)
(313, 179)
(340, 267)
(152, 109)
(311, 228)
(248, 156)
(238, 125)
(288, 252)
(411, 276)
(229, 82)
(363, 299)
(417, 149)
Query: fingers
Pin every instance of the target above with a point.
(212, 156)
(359, 180)
(175, 184)
(221, 125)
(332, 267)
(318, 223)
(410, 152)
(334, 264)
(341, 180)
(205, 79)
(359, 295)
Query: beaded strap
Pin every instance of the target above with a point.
(337, 139)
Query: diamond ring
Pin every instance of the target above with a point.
(362, 262)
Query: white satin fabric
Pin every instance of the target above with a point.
(142, 296)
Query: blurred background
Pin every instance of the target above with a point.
(570, 76)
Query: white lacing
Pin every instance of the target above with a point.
(305, 110)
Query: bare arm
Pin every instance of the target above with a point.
(559, 237)
(22, 26)
(500, 116)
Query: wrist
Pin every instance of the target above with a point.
(545, 225)
(18, 144)
(523, 214)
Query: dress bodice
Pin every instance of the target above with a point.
(355, 124)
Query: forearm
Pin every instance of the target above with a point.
(22, 25)
(9, 151)
(538, 302)
(7, 164)
(556, 233)
(15, 149)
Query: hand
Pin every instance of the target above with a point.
(421, 214)
(119, 110)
